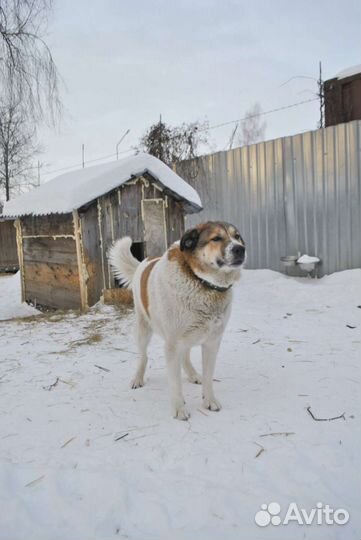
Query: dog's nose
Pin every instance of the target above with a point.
(238, 251)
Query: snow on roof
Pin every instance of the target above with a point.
(73, 190)
(354, 70)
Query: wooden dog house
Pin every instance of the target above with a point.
(65, 227)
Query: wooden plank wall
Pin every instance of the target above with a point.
(52, 225)
(109, 218)
(115, 215)
(174, 215)
(8, 247)
(92, 253)
(51, 276)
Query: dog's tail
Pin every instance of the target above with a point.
(123, 263)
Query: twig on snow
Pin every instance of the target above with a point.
(72, 384)
(260, 451)
(324, 419)
(67, 442)
(121, 437)
(51, 386)
(33, 482)
(275, 433)
(103, 368)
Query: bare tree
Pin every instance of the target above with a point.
(28, 74)
(17, 149)
(174, 144)
(252, 128)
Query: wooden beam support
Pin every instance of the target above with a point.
(19, 243)
(83, 274)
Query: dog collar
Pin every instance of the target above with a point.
(208, 283)
(212, 286)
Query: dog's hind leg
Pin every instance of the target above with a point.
(143, 334)
(174, 359)
(191, 373)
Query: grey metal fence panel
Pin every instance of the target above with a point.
(293, 194)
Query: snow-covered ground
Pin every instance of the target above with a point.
(84, 457)
(10, 299)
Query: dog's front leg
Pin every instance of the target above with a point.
(174, 357)
(209, 356)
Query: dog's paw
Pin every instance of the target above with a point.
(137, 382)
(212, 404)
(195, 378)
(182, 413)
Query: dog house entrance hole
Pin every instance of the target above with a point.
(137, 249)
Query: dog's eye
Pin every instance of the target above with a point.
(217, 239)
(237, 236)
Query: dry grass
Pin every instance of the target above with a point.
(89, 340)
(51, 317)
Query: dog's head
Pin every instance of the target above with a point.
(214, 246)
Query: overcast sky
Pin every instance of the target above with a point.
(125, 62)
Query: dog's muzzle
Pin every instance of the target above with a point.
(239, 254)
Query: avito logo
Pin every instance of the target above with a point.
(320, 515)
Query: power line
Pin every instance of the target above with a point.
(101, 158)
(215, 126)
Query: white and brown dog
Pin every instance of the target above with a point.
(185, 296)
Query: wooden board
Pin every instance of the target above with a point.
(50, 250)
(64, 276)
(52, 285)
(50, 270)
(106, 234)
(121, 296)
(52, 225)
(119, 214)
(175, 220)
(154, 227)
(151, 192)
(130, 218)
(92, 253)
(115, 202)
(47, 295)
(8, 247)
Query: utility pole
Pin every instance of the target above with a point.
(83, 154)
(321, 96)
(231, 141)
(38, 173)
(120, 141)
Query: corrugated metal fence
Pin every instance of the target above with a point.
(289, 195)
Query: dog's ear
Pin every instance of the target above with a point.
(189, 240)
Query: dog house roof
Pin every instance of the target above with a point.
(73, 190)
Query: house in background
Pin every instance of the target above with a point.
(65, 227)
(343, 97)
